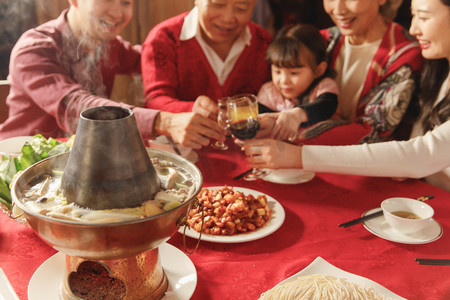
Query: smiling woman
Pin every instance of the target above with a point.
(424, 155)
(376, 63)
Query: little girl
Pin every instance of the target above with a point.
(302, 88)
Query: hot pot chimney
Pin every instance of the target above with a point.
(108, 166)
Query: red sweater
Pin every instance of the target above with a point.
(51, 85)
(176, 72)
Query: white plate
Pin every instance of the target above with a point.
(6, 290)
(275, 221)
(162, 143)
(13, 146)
(321, 266)
(289, 176)
(180, 271)
(379, 227)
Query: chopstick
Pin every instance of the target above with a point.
(242, 174)
(174, 146)
(362, 219)
(377, 214)
(433, 261)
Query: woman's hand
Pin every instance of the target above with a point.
(189, 129)
(271, 154)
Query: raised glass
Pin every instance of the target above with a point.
(244, 124)
(222, 120)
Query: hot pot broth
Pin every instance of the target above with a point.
(45, 197)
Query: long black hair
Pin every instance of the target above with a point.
(292, 40)
(434, 74)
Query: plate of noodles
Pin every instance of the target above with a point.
(275, 220)
(321, 279)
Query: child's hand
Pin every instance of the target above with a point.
(288, 123)
(267, 123)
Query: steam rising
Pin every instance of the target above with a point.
(80, 59)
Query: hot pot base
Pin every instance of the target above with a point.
(131, 278)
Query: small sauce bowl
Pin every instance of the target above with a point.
(416, 215)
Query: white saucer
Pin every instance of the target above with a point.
(180, 271)
(289, 176)
(379, 227)
(6, 290)
(13, 146)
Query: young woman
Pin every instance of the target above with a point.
(302, 88)
(424, 155)
(68, 64)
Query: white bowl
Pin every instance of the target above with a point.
(406, 225)
(288, 176)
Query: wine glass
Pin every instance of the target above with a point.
(244, 124)
(222, 120)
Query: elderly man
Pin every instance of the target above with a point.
(195, 58)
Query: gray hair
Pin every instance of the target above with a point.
(390, 8)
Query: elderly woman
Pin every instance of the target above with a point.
(376, 62)
(191, 60)
(68, 64)
(425, 154)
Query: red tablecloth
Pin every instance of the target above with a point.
(313, 212)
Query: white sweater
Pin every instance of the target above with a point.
(423, 156)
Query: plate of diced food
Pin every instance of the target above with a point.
(233, 215)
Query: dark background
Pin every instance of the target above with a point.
(17, 16)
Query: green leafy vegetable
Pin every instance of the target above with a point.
(39, 149)
(28, 156)
(5, 195)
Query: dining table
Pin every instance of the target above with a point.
(313, 210)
